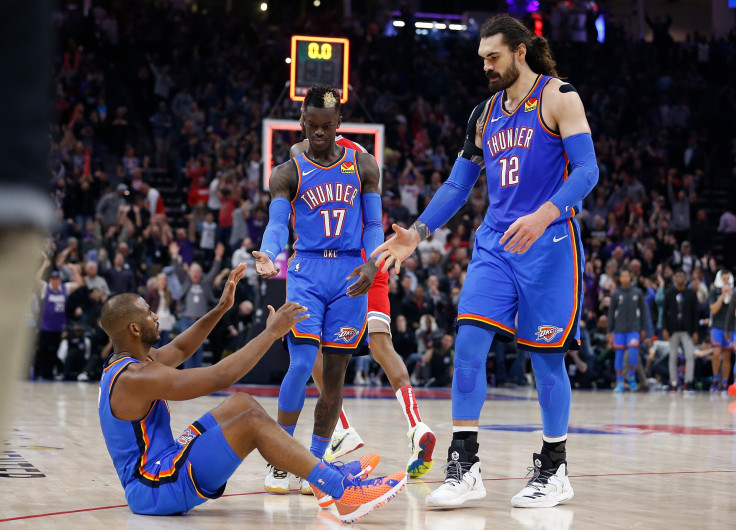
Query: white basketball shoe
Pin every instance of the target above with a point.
(548, 486)
(462, 481)
(342, 443)
(277, 481)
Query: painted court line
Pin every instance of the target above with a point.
(21, 517)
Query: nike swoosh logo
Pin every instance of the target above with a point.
(496, 119)
(308, 172)
(556, 239)
(334, 447)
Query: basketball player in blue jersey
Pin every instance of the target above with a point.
(527, 260)
(345, 440)
(164, 476)
(334, 196)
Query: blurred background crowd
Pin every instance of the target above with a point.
(156, 174)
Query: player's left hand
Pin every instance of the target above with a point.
(365, 273)
(523, 232)
(228, 293)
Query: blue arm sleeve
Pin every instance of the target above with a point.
(584, 174)
(277, 230)
(372, 228)
(451, 195)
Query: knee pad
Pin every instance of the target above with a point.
(471, 350)
(549, 370)
(292, 392)
(466, 372)
(545, 384)
(300, 366)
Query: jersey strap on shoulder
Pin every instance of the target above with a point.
(470, 150)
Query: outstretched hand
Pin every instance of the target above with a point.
(366, 273)
(396, 249)
(264, 266)
(280, 322)
(228, 293)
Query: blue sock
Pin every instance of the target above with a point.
(289, 429)
(620, 378)
(328, 479)
(319, 445)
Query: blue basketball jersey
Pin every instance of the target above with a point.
(130, 443)
(327, 208)
(525, 161)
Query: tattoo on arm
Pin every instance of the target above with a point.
(422, 230)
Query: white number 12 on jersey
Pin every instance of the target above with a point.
(509, 171)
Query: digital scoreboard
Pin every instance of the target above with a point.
(318, 61)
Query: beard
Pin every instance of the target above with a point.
(498, 82)
(150, 337)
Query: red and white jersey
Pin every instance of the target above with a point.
(341, 140)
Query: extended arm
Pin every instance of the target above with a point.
(186, 343)
(465, 171)
(283, 189)
(445, 203)
(144, 383)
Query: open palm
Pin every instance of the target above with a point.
(396, 249)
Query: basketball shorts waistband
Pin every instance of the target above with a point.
(329, 254)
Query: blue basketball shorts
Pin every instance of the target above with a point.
(193, 470)
(337, 321)
(718, 338)
(542, 287)
(626, 340)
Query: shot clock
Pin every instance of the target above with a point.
(318, 61)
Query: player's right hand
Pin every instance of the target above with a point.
(264, 266)
(396, 249)
(280, 322)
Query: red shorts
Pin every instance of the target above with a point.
(379, 310)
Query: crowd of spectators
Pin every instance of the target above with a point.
(156, 166)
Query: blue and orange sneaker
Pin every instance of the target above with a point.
(365, 496)
(421, 442)
(359, 469)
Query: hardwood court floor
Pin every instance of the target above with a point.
(653, 460)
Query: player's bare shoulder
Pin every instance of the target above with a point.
(298, 148)
(283, 182)
(369, 174)
(561, 105)
(559, 90)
